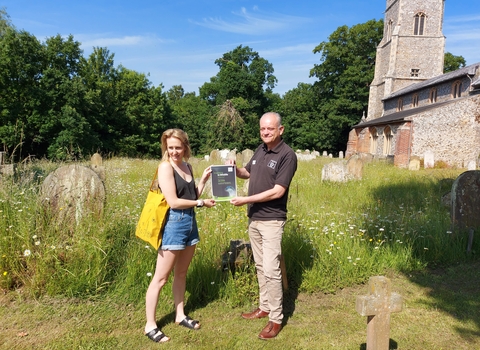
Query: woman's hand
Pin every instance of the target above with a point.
(206, 174)
(209, 203)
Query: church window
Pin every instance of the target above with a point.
(414, 72)
(433, 95)
(400, 105)
(457, 89)
(415, 100)
(373, 140)
(419, 24)
(389, 30)
(387, 141)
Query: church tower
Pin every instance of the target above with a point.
(411, 50)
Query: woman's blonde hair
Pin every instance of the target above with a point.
(179, 134)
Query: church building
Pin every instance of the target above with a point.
(414, 110)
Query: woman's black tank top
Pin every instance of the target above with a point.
(185, 190)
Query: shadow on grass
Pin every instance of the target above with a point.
(297, 259)
(454, 290)
(452, 275)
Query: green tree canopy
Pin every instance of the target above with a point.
(344, 75)
(452, 63)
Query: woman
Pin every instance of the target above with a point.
(175, 178)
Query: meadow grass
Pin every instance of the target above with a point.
(337, 234)
(95, 274)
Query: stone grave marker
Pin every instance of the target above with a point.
(335, 171)
(377, 306)
(340, 155)
(428, 160)
(72, 191)
(414, 164)
(96, 163)
(465, 197)
(355, 167)
(247, 154)
(215, 156)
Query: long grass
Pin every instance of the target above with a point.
(337, 235)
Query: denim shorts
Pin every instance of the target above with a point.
(180, 230)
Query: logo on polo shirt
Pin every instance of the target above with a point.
(272, 164)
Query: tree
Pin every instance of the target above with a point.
(452, 62)
(344, 75)
(21, 64)
(238, 94)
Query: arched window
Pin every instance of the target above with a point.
(457, 89)
(373, 140)
(433, 95)
(389, 30)
(387, 141)
(419, 24)
(400, 105)
(415, 100)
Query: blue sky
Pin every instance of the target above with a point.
(176, 42)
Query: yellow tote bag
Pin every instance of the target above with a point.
(153, 217)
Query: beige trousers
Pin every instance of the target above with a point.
(266, 241)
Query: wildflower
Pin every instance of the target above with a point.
(27, 252)
(37, 243)
(371, 239)
(4, 273)
(34, 237)
(357, 259)
(52, 247)
(149, 274)
(147, 247)
(212, 283)
(425, 248)
(381, 229)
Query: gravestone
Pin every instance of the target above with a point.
(96, 163)
(6, 169)
(72, 191)
(377, 306)
(465, 210)
(414, 164)
(472, 165)
(428, 160)
(336, 172)
(215, 156)
(247, 154)
(340, 154)
(324, 154)
(355, 167)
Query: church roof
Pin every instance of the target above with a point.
(467, 70)
(400, 116)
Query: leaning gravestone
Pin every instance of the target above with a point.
(71, 192)
(215, 156)
(355, 167)
(466, 204)
(247, 154)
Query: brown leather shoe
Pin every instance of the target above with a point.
(255, 314)
(270, 331)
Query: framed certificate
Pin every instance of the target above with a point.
(224, 182)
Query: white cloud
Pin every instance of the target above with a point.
(251, 24)
(91, 41)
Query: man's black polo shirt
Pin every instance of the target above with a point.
(267, 169)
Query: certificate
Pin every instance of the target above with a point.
(224, 182)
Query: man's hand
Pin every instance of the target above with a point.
(238, 201)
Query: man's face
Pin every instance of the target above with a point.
(270, 131)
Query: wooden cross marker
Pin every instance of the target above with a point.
(377, 306)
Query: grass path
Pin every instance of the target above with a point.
(441, 311)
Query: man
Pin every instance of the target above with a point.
(270, 171)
